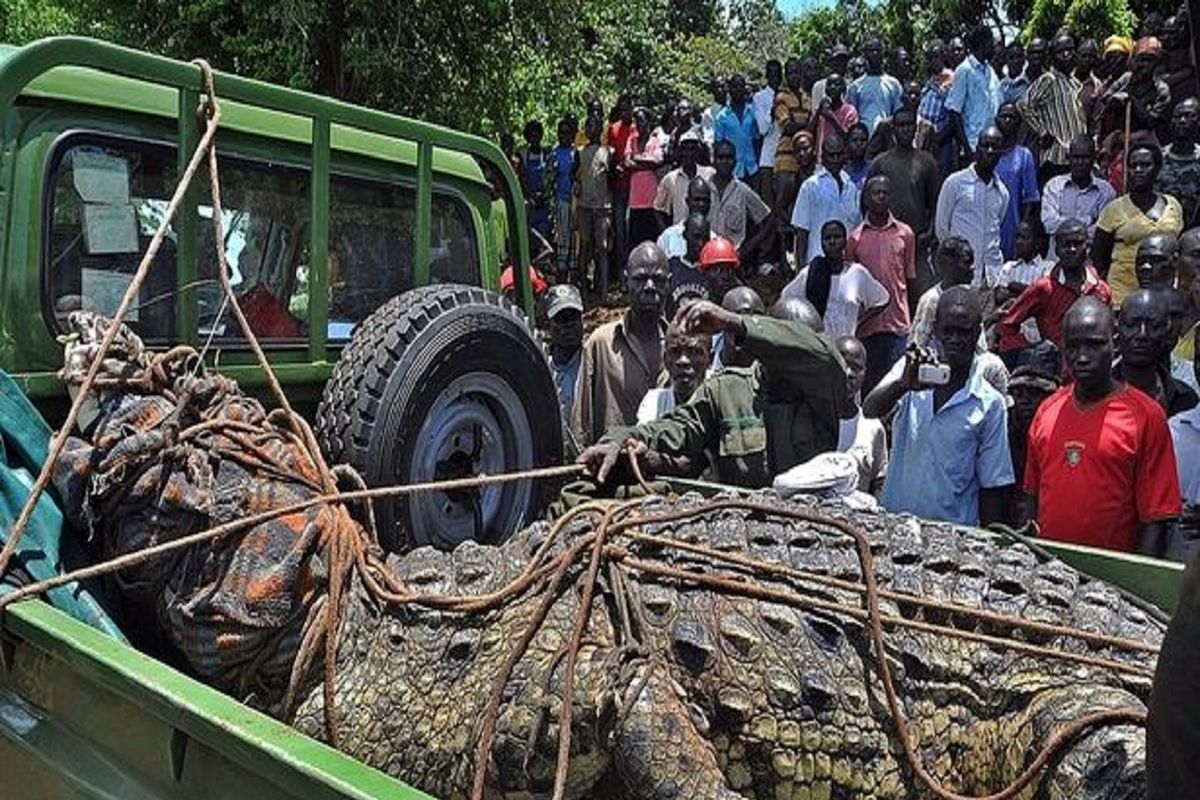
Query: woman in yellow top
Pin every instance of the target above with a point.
(1132, 217)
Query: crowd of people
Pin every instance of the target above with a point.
(972, 296)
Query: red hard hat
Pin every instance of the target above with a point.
(719, 253)
(536, 281)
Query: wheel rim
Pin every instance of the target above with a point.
(476, 425)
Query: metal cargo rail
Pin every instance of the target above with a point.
(26, 64)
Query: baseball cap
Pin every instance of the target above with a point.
(839, 50)
(692, 134)
(561, 297)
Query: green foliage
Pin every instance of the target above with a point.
(693, 17)
(757, 29)
(488, 65)
(701, 58)
(1100, 18)
(26, 20)
(1095, 18)
(816, 32)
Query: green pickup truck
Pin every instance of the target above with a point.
(366, 251)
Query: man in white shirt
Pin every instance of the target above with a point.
(1077, 195)
(972, 204)
(864, 439)
(839, 60)
(687, 358)
(670, 200)
(953, 262)
(764, 104)
(826, 195)
(708, 120)
(699, 201)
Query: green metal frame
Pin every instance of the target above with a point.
(299, 119)
(110, 720)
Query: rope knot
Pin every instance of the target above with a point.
(209, 108)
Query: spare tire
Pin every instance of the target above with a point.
(442, 382)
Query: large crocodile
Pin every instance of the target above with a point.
(681, 690)
(694, 693)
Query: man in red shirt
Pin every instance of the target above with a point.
(1047, 299)
(1100, 469)
(619, 133)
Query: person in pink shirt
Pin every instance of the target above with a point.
(887, 248)
(834, 116)
(643, 157)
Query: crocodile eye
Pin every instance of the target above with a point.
(692, 647)
(463, 645)
(825, 634)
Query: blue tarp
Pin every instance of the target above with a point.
(44, 551)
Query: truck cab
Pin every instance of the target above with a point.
(329, 211)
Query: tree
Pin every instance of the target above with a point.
(489, 65)
(1094, 18)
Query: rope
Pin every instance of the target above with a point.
(120, 563)
(895, 709)
(59, 440)
(636, 468)
(756, 565)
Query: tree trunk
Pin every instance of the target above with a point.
(331, 71)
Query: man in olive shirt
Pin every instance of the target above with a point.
(622, 359)
(757, 421)
(915, 182)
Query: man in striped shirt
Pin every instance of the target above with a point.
(1053, 110)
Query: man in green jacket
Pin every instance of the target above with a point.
(755, 421)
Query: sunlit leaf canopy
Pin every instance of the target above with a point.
(488, 65)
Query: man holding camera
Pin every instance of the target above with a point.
(951, 426)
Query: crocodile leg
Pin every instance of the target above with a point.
(658, 752)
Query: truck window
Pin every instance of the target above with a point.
(108, 196)
(265, 211)
(107, 201)
(454, 252)
(371, 230)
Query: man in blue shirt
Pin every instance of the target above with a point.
(952, 437)
(735, 123)
(974, 96)
(564, 192)
(875, 95)
(564, 330)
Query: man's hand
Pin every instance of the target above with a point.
(599, 459)
(707, 317)
(650, 461)
(914, 358)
